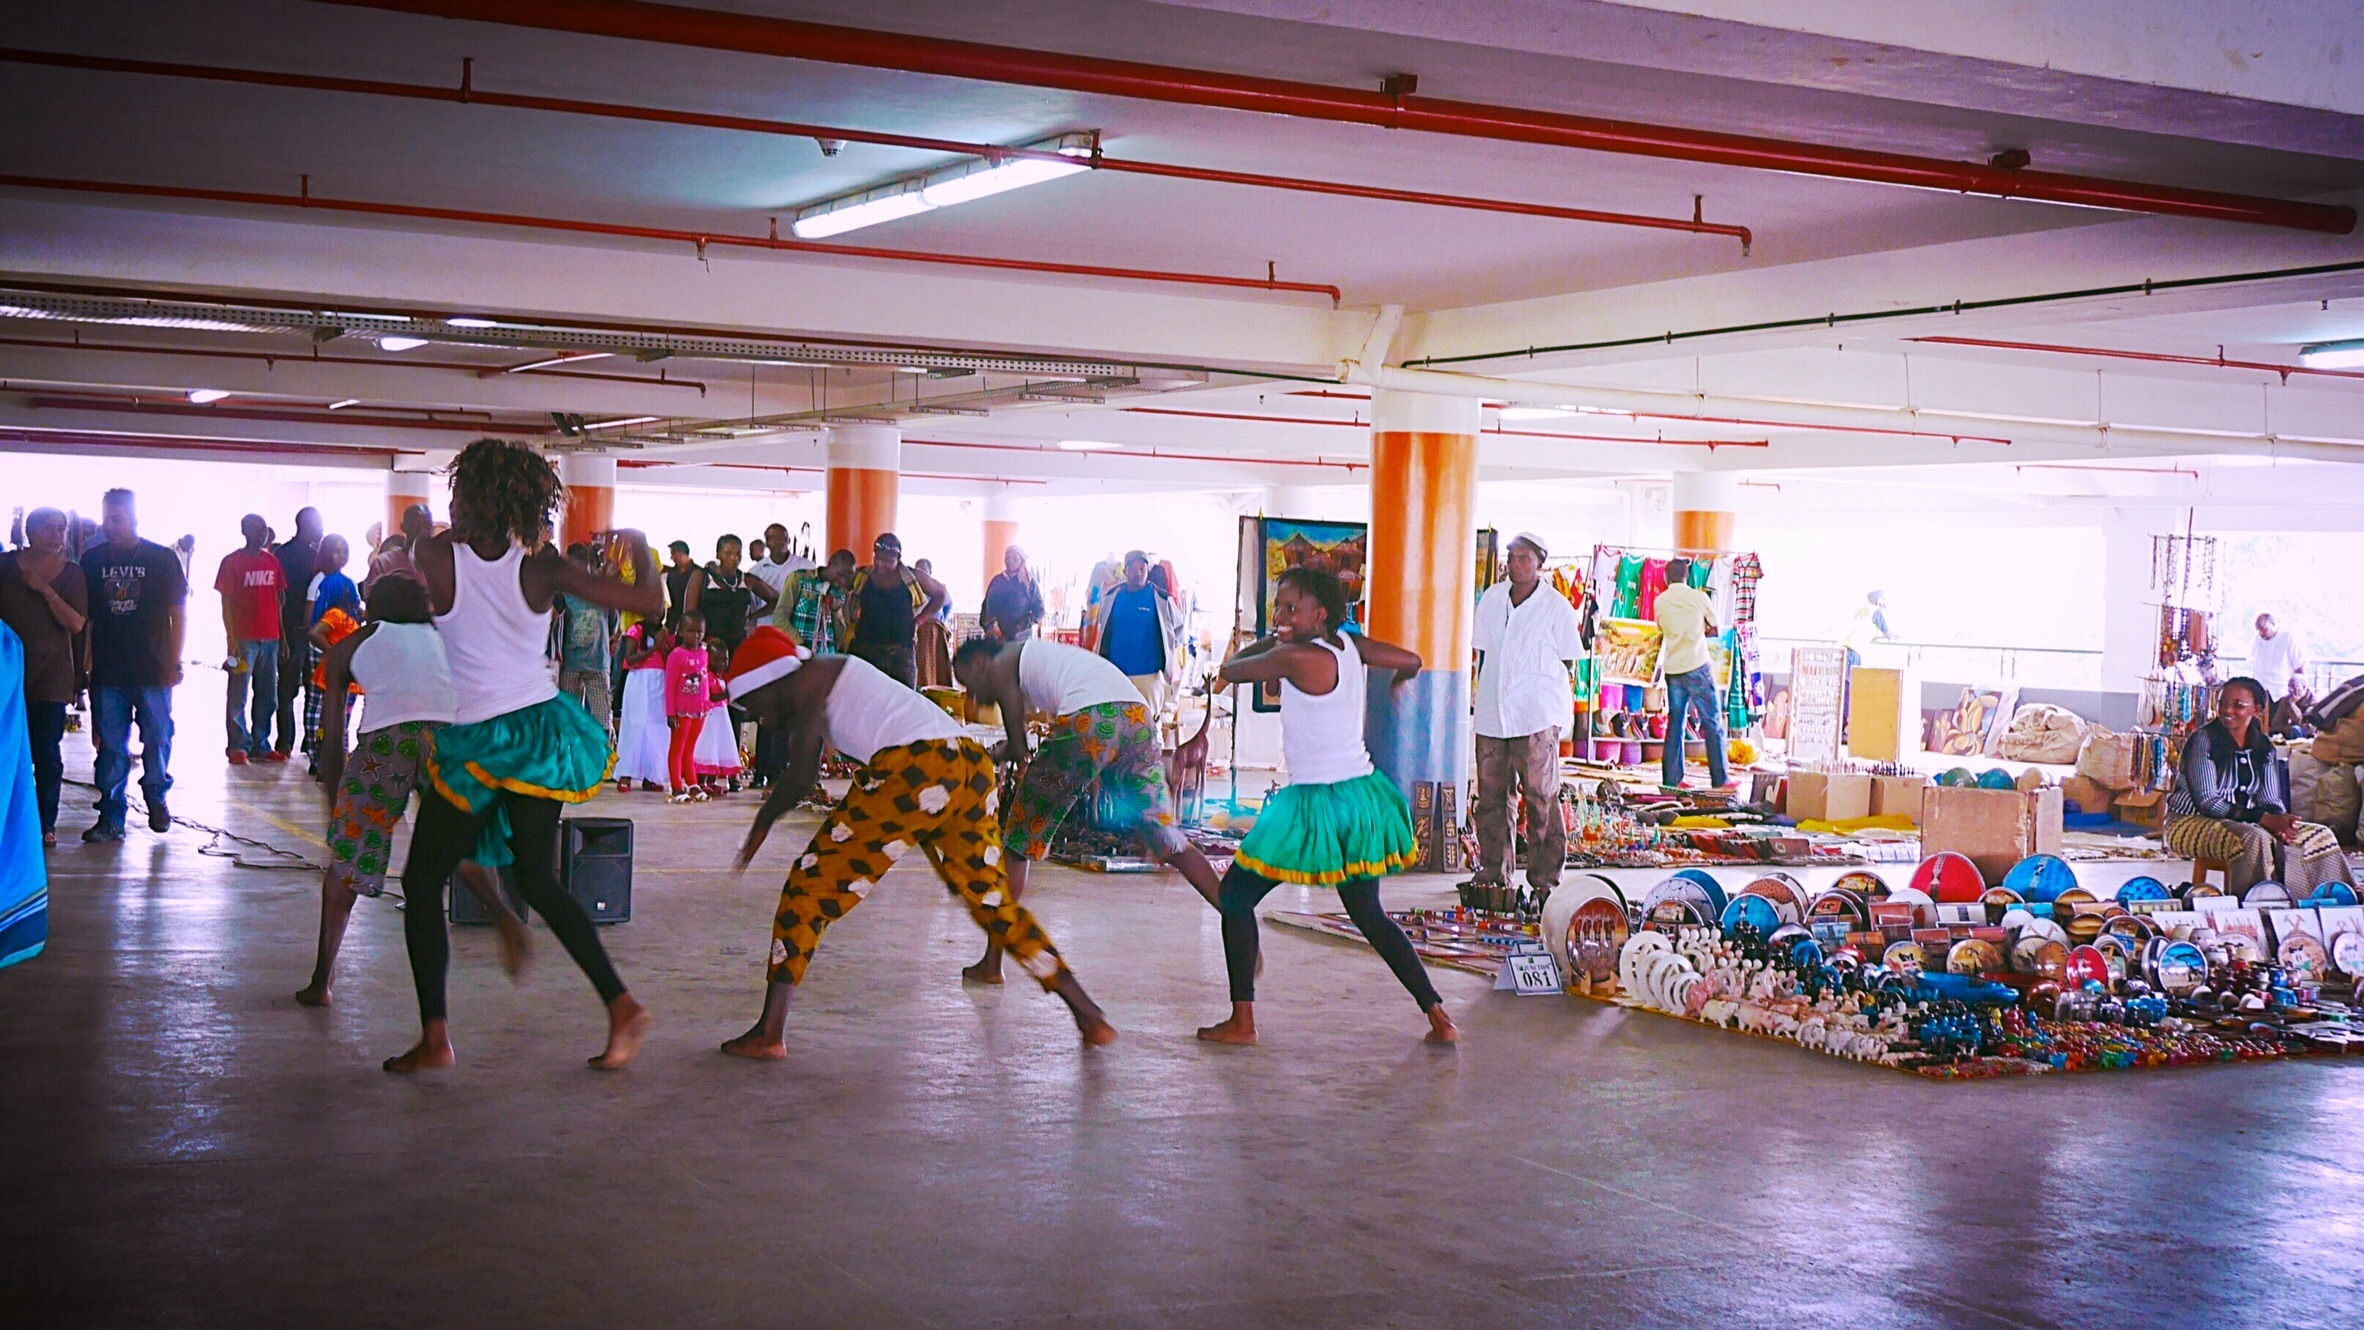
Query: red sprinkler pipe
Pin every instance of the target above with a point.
(2152, 357)
(469, 94)
(639, 20)
(1144, 452)
(701, 239)
(279, 358)
(347, 419)
(1661, 442)
(70, 439)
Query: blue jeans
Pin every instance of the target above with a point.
(1694, 690)
(112, 711)
(261, 660)
(45, 723)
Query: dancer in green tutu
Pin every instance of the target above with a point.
(515, 742)
(1338, 822)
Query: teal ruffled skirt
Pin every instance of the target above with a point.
(1322, 835)
(550, 750)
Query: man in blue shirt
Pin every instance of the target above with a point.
(1137, 623)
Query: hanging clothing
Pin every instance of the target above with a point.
(1653, 584)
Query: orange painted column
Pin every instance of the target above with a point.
(864, 462)
(1422, 575)
(590, 498)
(404, 491)
(1706, 511)
(1001, 532)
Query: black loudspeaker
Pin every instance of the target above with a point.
(463, 908)
(595, 866)
(594, 859)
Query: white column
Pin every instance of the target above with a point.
(867, 447)
(588, 469)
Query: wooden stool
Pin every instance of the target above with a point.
(2201, 868)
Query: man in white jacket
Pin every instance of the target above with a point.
(1527, 638)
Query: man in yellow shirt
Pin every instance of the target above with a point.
(1685, 623)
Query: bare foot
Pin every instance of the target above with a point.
(1237, 1030)
(314, 994)
(627, 1025)
(983, 972)
(1441, 1029)
(433, 1052)
(517, 948)
(757, 1046)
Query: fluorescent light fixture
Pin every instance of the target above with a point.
(911, 369)
(963, 182)
(471, 323)
(2333, 355)
(1535, 412)
(837, 217)
(985, 180)
(1602, 411)
(400, 343)
(558, 360)
(1088, 445)
(343, 402)
(203, 395)
(619, 424)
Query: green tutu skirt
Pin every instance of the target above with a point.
(550, 750)
(1322, 835)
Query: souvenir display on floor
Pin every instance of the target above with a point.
(1951, 978)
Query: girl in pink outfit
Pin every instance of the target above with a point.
(717, 754)
(689, 695)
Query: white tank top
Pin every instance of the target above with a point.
(1322, 737)
(867, 711)
(404, 676)
(1063, 680)
(498, 645)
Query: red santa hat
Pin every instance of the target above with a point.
(766, 656)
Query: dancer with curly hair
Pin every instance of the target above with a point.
(515, 740)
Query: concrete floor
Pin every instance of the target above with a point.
(186, 1146)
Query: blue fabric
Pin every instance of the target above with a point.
(336, 592)
(1135, 641)
(1685, 693)
(262, 671)
(24, 873)
(112, 711)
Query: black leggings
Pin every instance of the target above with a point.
(1243, 889)
(445, 835)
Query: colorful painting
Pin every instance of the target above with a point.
(1285, 543)
(1974, 725)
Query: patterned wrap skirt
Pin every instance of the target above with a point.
(1322, 835)
(385, 766)
(1111, 744)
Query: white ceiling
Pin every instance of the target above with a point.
(1473, 282)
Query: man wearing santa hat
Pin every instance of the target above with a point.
(923, 783)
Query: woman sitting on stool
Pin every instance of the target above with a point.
(2229, 804)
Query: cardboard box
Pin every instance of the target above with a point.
(1898, 794)
(1828, 796)
(1994, 829)
(2141, 808)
